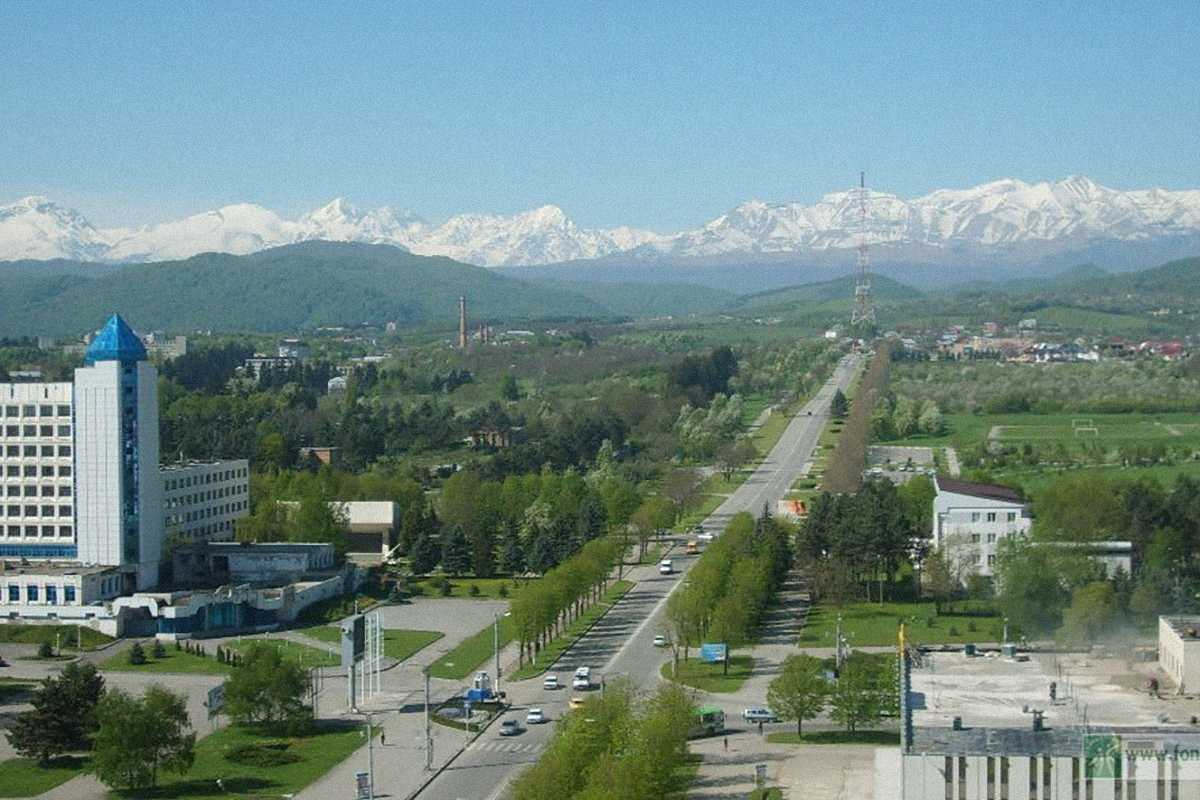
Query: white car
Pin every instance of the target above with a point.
(582, 679)
(660, 641)
(705, 537)
(534, 717)
(665, 567)
(550, 682)
(759, 714)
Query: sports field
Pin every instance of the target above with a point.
(1071, 430)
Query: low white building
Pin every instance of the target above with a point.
(1179, 651)
(970, 520)
(40, 589)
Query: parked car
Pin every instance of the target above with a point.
(759, 714)
(660, 641)
(510, 727)
(665, 567)
(534, 717)
(550, 682)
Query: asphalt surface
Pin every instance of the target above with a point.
(621, 643)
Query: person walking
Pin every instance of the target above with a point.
(725, 741)
(383, 738)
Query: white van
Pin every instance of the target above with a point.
(665, 567)
(582, 679)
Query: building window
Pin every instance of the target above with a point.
(991, 560)
(64, 411)
(11, 411)
(46, 411)
(29, 430)
(64, 430)
(47, 511)
(1012, 516)
(64, 490)
(991, 538)
(64, 530)
(974, 516)
(14, 593)
(64, 451)
(974, 538)
(31, 511)
(31, 593)
(68, 594)
(64, 511)
(48, 530)
(64, 471)
(46, 430)
(52, 595)
(991, 516)
(28, 411)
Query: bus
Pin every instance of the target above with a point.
(707, 721)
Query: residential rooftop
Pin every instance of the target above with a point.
(988, 491)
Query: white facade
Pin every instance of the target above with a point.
(49, 585)
(970, 520)
(202, 501)
(1179, 651)
(119, 491)
(37, 503)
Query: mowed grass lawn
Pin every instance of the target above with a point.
(472, 652)
(398, 643)
(550, 653)
(306, 655)
(868, 624)
(710, 677)
(22, 777)
(65, 636)
(488, 588)
(319, 752)
(1112, 430)
(183, 661)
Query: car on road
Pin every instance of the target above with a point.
(698, 529)
(582, 679)
(660, 641)
(706, 536)
(576, 702)
(759, 714)
(510, 727)
(534, 717)
(665, 567)
(693, 547)
(550, 682)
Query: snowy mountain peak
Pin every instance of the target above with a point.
(992, 219)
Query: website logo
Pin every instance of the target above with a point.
(1102, 755)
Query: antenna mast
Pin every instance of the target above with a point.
(864, 311)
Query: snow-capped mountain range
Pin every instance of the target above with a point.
(991, 219)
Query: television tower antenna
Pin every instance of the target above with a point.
(864, 311)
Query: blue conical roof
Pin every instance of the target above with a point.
(116, 342)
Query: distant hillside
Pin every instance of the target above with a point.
(640, 300)
(287, 288)
(882, 288)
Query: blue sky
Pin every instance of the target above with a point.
(658, 115)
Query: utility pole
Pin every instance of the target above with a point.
(370, 757)
(428, 726)
(837, 645)
(864, 311)
(496, 649)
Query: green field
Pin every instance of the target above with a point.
(488, 588)
(306, 655)
(1110, 430)
(66, 636)
(471, 653)
(398, 643)
(557, 646)
(22, 777)
(710, 677)
(319, 752)
(173, 661)
(872, 624)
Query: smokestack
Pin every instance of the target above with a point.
(462, 323)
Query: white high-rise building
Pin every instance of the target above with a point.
(118, 502)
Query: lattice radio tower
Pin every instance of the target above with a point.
(864, 311)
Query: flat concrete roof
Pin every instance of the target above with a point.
(52, 568)
(991, 691)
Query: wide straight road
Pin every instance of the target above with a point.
(622, 642)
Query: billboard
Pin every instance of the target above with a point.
(354, 640)
(713, 653)
(216, 700)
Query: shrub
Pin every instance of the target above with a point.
(159, 651)
(971, 626)
(503, 592)
(274, 754)
(445, 587)
(953, 631)
(178, 646)
(473, 590)
(45, 650)
(137, 656)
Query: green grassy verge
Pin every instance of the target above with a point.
(173, 661)
(398, 643)
(836, 737)
(335, 609)
(471, 652)
(550, 653)
(22, 777)
(306, 655)
(866, 624)
(769, 793)
(67, 635)
(13, 688)
(710, 677)
(488, 588)
(319, 753)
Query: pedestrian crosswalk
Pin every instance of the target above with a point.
(503, 746)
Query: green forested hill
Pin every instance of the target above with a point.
(286, 288)
(838, 289)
